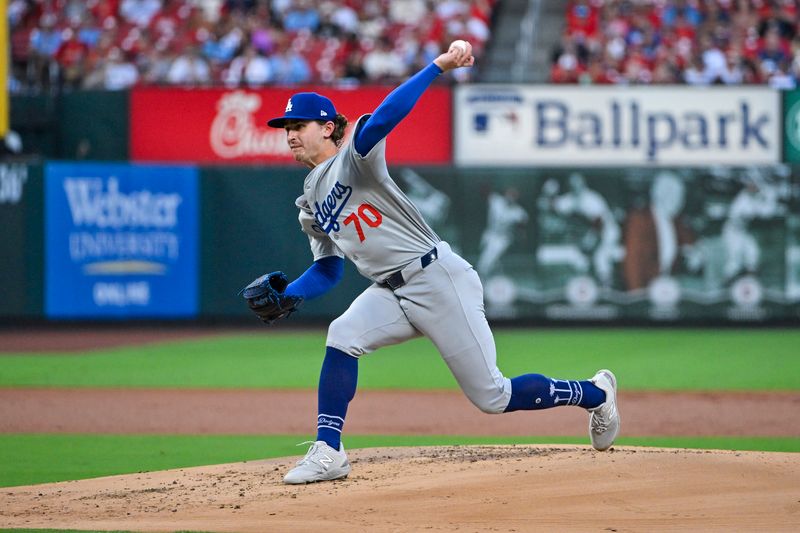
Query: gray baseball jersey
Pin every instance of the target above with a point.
(351, 207)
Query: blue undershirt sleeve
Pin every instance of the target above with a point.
(320, 277)
(393, 109)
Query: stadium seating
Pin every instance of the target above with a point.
(116, 44)
(700, 42)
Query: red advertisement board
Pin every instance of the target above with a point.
(229, 126)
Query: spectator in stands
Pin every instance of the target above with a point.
(637, 69)
(73, 11)
(696, 73)
(773, 52)
(781, 77)
(383, 63)
(250, 68)
(733, 73)
(105, 12)
(714, 61)
(189, 68)
(583, 19)
(18, 11)
(745, 41)
(222, 44)
(304, 41)
(88, 31)
(794, 67)
(241, 6)
(302, 15)
(666, 73)
(407, 12)
(354, 68)
(44, 44)
(94, 71)
(262, 36)
(346, 18)
(156, 64)
(139, 12)
(22, 22)
(119, 72)
(447, 9)
(289, 67)
(71, 56)
(687, 11)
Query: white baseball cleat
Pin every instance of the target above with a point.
(321, 463)
(604, 419)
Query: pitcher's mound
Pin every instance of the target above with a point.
(464, 488)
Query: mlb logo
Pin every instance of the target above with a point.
(481, 122)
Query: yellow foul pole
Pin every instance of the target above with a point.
(5, 53)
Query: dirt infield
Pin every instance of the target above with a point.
(372, 412)
(240, 412)
(519, 488)
(465, 489)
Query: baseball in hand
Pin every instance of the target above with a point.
(459, 44)
(459, 54)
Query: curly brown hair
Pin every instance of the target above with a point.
(340, 125)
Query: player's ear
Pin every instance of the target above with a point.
(328, 128)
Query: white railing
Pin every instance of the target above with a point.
(527, 40)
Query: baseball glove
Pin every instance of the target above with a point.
(267, 299)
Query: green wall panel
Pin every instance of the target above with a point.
(21, 239)
(249, 227)
(91, 125)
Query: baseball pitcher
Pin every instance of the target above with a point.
(351, 207)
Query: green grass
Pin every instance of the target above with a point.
(30, 459)
(660, 359)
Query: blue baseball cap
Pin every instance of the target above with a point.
(305, 106)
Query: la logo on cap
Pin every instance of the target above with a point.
(288, 106)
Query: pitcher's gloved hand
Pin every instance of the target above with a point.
(266, 297)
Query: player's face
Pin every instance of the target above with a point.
(308, 141)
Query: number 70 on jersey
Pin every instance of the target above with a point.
(367, 214)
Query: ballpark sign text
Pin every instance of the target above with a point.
(519, 126)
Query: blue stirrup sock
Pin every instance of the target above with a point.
(535, 391)
(337, 387)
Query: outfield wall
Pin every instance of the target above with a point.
(643, 205)
(116, 241)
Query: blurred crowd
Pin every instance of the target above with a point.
(696, 42)
(116, 44)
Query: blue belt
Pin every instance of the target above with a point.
(396, 280)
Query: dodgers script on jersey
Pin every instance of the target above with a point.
(351, 207)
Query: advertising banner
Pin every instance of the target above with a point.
(229, 126)
(508, 125)
(653, 245)
(121, 241)
(791, 126)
